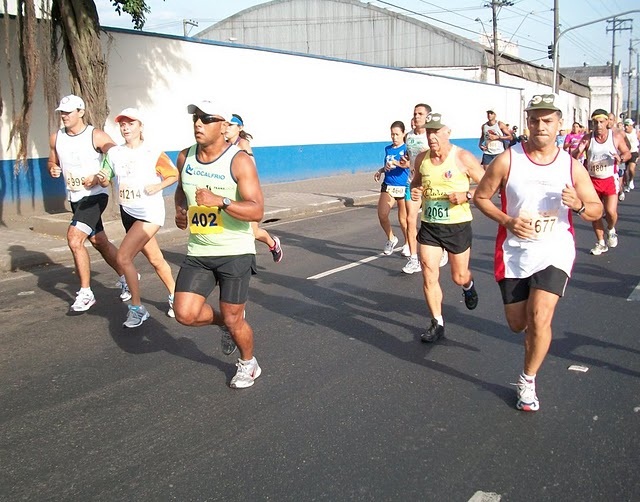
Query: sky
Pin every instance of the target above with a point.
(528, 23)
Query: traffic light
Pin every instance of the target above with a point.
(550, 51)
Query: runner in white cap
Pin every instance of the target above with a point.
(75, 152)
(142, 172)
(217, 198)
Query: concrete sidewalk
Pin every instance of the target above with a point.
(36, 241)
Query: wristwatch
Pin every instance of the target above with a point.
(581, 210)
(469, 197)
(226, 202)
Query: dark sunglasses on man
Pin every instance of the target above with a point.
(206, 119)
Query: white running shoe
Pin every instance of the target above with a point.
(631, 185)
(136, 316)
(412, 266)
(125, 294)
(406, 252)
(247, 372)
(621, 196)
(444, 259)
(390, 245)
(170, 312)
(526, 393)
(83, 302)
(598, 249)
(612, 239)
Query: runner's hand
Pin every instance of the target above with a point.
(205, 197)
(416, 194)
(181, 218)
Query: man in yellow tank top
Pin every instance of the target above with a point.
(442, 184)
(217, 197)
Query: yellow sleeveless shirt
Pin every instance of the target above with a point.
(438, 181)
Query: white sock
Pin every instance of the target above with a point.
(528, 378)
(470, 286)
(123, 279)
(601, 242)
(440, 320)
(86, 291)
(414, 257)
(251, 361)
(612, 230)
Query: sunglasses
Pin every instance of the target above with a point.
(206, 119)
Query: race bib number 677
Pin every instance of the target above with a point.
(205, 220)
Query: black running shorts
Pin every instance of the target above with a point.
(88, 210)
(200, 274)
(550, 279)
(455, 238)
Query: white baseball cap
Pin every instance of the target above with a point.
(208, 107)
(70, 103)
(130, 113)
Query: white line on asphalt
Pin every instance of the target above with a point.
(635, 294)
(480, 496)
(350, 265)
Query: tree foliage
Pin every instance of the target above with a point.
(74, 31)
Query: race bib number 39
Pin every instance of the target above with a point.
(436, 211)
(205, 220)
(75, 183)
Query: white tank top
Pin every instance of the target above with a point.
(633, 141)
(600, 161)
(78, 159)
(135, 168)
(495, 146)
(416, 144)
(536, 190)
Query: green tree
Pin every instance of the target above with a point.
(73, 30)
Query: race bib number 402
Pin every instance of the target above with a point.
(205, 220)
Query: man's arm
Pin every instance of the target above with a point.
(53, 164)
(179, 197)
(622, 145)
(508, 135)
(416, 182)
(102, 141)
(582, 192)
(468, 164)
(494, 178)
(250, 207)
(481, 140)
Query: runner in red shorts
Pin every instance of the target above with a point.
(604, 150)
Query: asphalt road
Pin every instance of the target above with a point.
(350, 404)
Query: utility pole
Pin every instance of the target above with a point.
(495, 5)
(555, 55)
(631, 40)
(637, 86)
(617, 25)
(188, 22)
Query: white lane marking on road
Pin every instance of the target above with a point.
(350, 265)
(480, 496)
(635, 294)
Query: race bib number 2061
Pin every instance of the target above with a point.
(205, 220)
